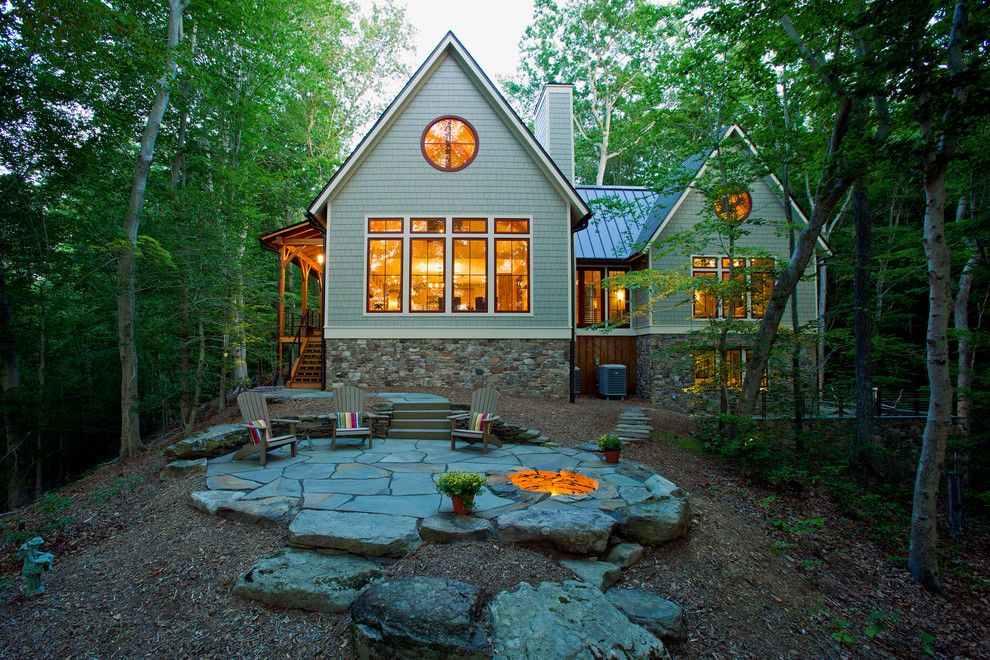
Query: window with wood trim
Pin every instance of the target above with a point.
(470, 225)
(511, 274)
(470, 280)
(385, 226)
(427, 225)
(426, 274)
(595, 303)
(733, 360)
(511, 226)
(449, 143)
(751, 283)
(384, 275)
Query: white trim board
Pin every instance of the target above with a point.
(451, 45)
(378, 332)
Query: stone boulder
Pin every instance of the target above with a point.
(602, 574)
(180, 469)
(566, 620)
(450, 528)
(214, 441)
(655, 521)
(579, 531)
(661, 488)
(419, 617)
(625, 554)
(209, 501)
(662, 617)
(278, 509)
(308, 580)
(368, 534)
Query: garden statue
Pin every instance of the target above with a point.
(35, 564)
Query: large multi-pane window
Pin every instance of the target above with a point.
(596, 303)
(746, 297)
(426, 274)
(449, 265)
(470, 275)
(706, 365)
(384, 275)
(511, 274)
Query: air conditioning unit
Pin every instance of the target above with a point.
(577, 380)
(612, 380)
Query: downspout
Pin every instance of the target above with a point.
(571, 313)
(314, 222)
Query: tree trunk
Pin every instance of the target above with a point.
(797, 392)
(923, 549)
(862, 326)
(130, 428)
(9, 389)
(966, 349)
(831, 190)
(922, 555)
(40, 397)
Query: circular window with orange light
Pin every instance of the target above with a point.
(449, 143)
(734, 205)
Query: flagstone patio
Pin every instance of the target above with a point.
(398, 477)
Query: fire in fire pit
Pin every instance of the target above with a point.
(555, 483)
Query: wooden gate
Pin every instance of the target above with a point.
(593, 350)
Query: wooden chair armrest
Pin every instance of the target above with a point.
(462, 415)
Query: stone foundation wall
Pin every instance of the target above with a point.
(524, 366)
(665, 376)
(664, 370)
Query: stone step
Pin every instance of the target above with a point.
(438, 424)
(418, 434)
(421, 405)
(420, 414)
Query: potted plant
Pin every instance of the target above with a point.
(461, 487)
(610, 444)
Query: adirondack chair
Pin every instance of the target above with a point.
(483, 402)
(351, 400)
(254, 409)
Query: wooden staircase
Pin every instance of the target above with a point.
(307, 368)
(420, 421)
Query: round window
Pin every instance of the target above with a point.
(449, 143)
(734, 205)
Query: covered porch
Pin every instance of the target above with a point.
(301, 348)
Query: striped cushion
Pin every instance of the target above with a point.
(478, 421)
(258, 430)
(348, 420)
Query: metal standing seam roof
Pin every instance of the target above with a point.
(620, 232)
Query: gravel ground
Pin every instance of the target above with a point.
(141, 574)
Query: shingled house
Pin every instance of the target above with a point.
(452, 249)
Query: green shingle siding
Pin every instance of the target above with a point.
(394, 178)
(669, 316)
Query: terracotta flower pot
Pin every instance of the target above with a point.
(462, 506)
(612, 455)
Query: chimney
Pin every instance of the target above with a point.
(554, 125)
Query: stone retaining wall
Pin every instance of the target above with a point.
(524, 366)
(665, 375)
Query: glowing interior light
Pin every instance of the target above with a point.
(319, 258)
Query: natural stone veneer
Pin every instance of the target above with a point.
(665, 374)
(528, 366)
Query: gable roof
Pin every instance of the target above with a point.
(450, 45)
(650, 224)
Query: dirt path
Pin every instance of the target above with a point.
(140, 573)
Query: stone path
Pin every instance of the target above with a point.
(634, 425)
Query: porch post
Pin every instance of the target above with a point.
(304, 292)
(281, 308)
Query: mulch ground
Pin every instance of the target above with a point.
(139, 573)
